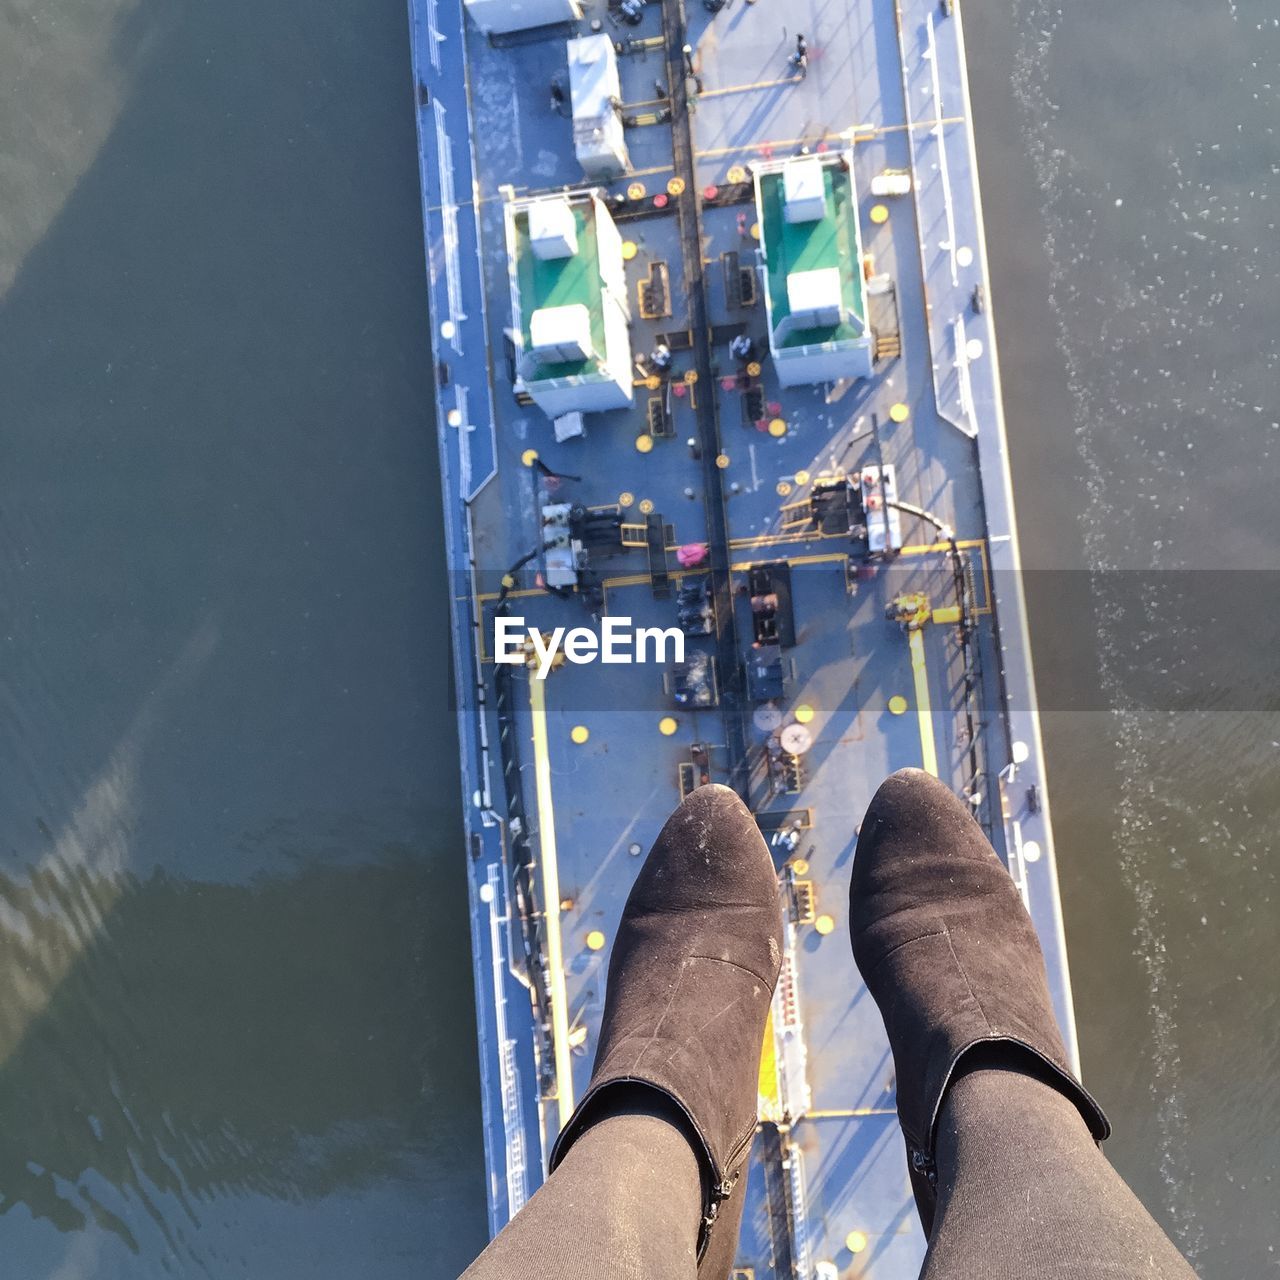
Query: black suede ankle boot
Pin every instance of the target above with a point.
(691, 977)
(950, 955)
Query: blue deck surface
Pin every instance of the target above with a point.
(876, 80)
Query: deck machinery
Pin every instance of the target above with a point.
(714, 353)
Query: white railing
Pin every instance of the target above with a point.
(508, 1071)
(1018, 862)
(435, 39)
(944, 173)
(968, 411)
(790, 1049)
(449, 219)
(463, 429)
(800, 1259)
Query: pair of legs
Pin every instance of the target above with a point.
(1024, 1193)
(1011, 1180)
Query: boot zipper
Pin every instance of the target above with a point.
(922, 1165)
(719, 1194)
(724, 1189)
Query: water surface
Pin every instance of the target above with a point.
(1130, 165)
(236, 1031)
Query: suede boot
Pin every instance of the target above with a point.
(950, 955)
(691, 977)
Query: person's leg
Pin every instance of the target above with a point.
(1024, 1190)
(645, 1177)
(626, 1202)
(1002, 1139)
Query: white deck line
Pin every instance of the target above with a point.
(549, 870)
(933, 126)
(943, 172)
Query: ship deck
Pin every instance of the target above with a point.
(569, 780)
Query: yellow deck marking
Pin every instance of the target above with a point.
(924, 710)
(770, 1102)
(853, 1113)
(550, 868)
(747, 88)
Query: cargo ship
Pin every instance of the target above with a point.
(727, 498)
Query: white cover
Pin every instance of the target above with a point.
(553, 231)
(804, 190)
(814, 297)
(569, 426)
(561, 334)
(594, 87)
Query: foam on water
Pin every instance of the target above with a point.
(1160, 229)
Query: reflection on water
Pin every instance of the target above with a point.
(68, 82)
(212, 1040)
(236, 1034)
(73, 883)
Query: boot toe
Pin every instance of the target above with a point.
(912, 811)
(918, 843)
(710, 855)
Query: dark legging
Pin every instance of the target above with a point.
(1024, 1193)
(1023, 1190)
(625, 1203)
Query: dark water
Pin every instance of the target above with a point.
(1130, 164)
(235, 1035)
(235, 1025)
